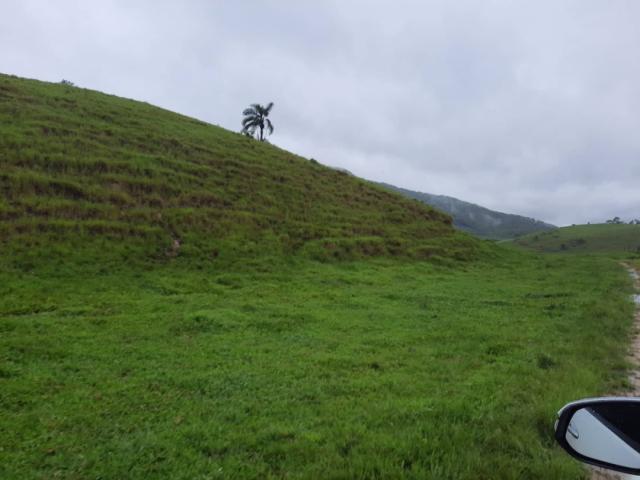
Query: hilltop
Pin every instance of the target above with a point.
(81, 168)
(478, 220)
(596, 238)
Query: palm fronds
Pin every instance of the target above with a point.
(255, 120)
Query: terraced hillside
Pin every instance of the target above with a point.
(79, 165)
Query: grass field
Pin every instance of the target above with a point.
(360, 370)
(79, 163)
(179, 301)
(609, 239)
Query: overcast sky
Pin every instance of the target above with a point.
(528, 107)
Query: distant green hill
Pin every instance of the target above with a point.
(599, 238)
(478, 220)
(82, 170)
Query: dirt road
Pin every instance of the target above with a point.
(634, 376)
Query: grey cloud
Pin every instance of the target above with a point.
(526, 107)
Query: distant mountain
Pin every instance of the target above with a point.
(478, 220)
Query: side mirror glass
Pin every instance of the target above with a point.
(604, 432)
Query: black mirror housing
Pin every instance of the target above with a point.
(604, 432)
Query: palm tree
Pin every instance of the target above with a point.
(255, 118)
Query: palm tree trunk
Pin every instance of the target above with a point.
(261, 134)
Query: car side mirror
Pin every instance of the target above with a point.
(604, 432)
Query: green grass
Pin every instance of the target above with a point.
(598, 238)
(304, 370)
(80, 167)
(179, 301)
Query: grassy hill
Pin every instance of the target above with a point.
(478, 220)
(163, 313)
(79, 165)
(598, 238)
